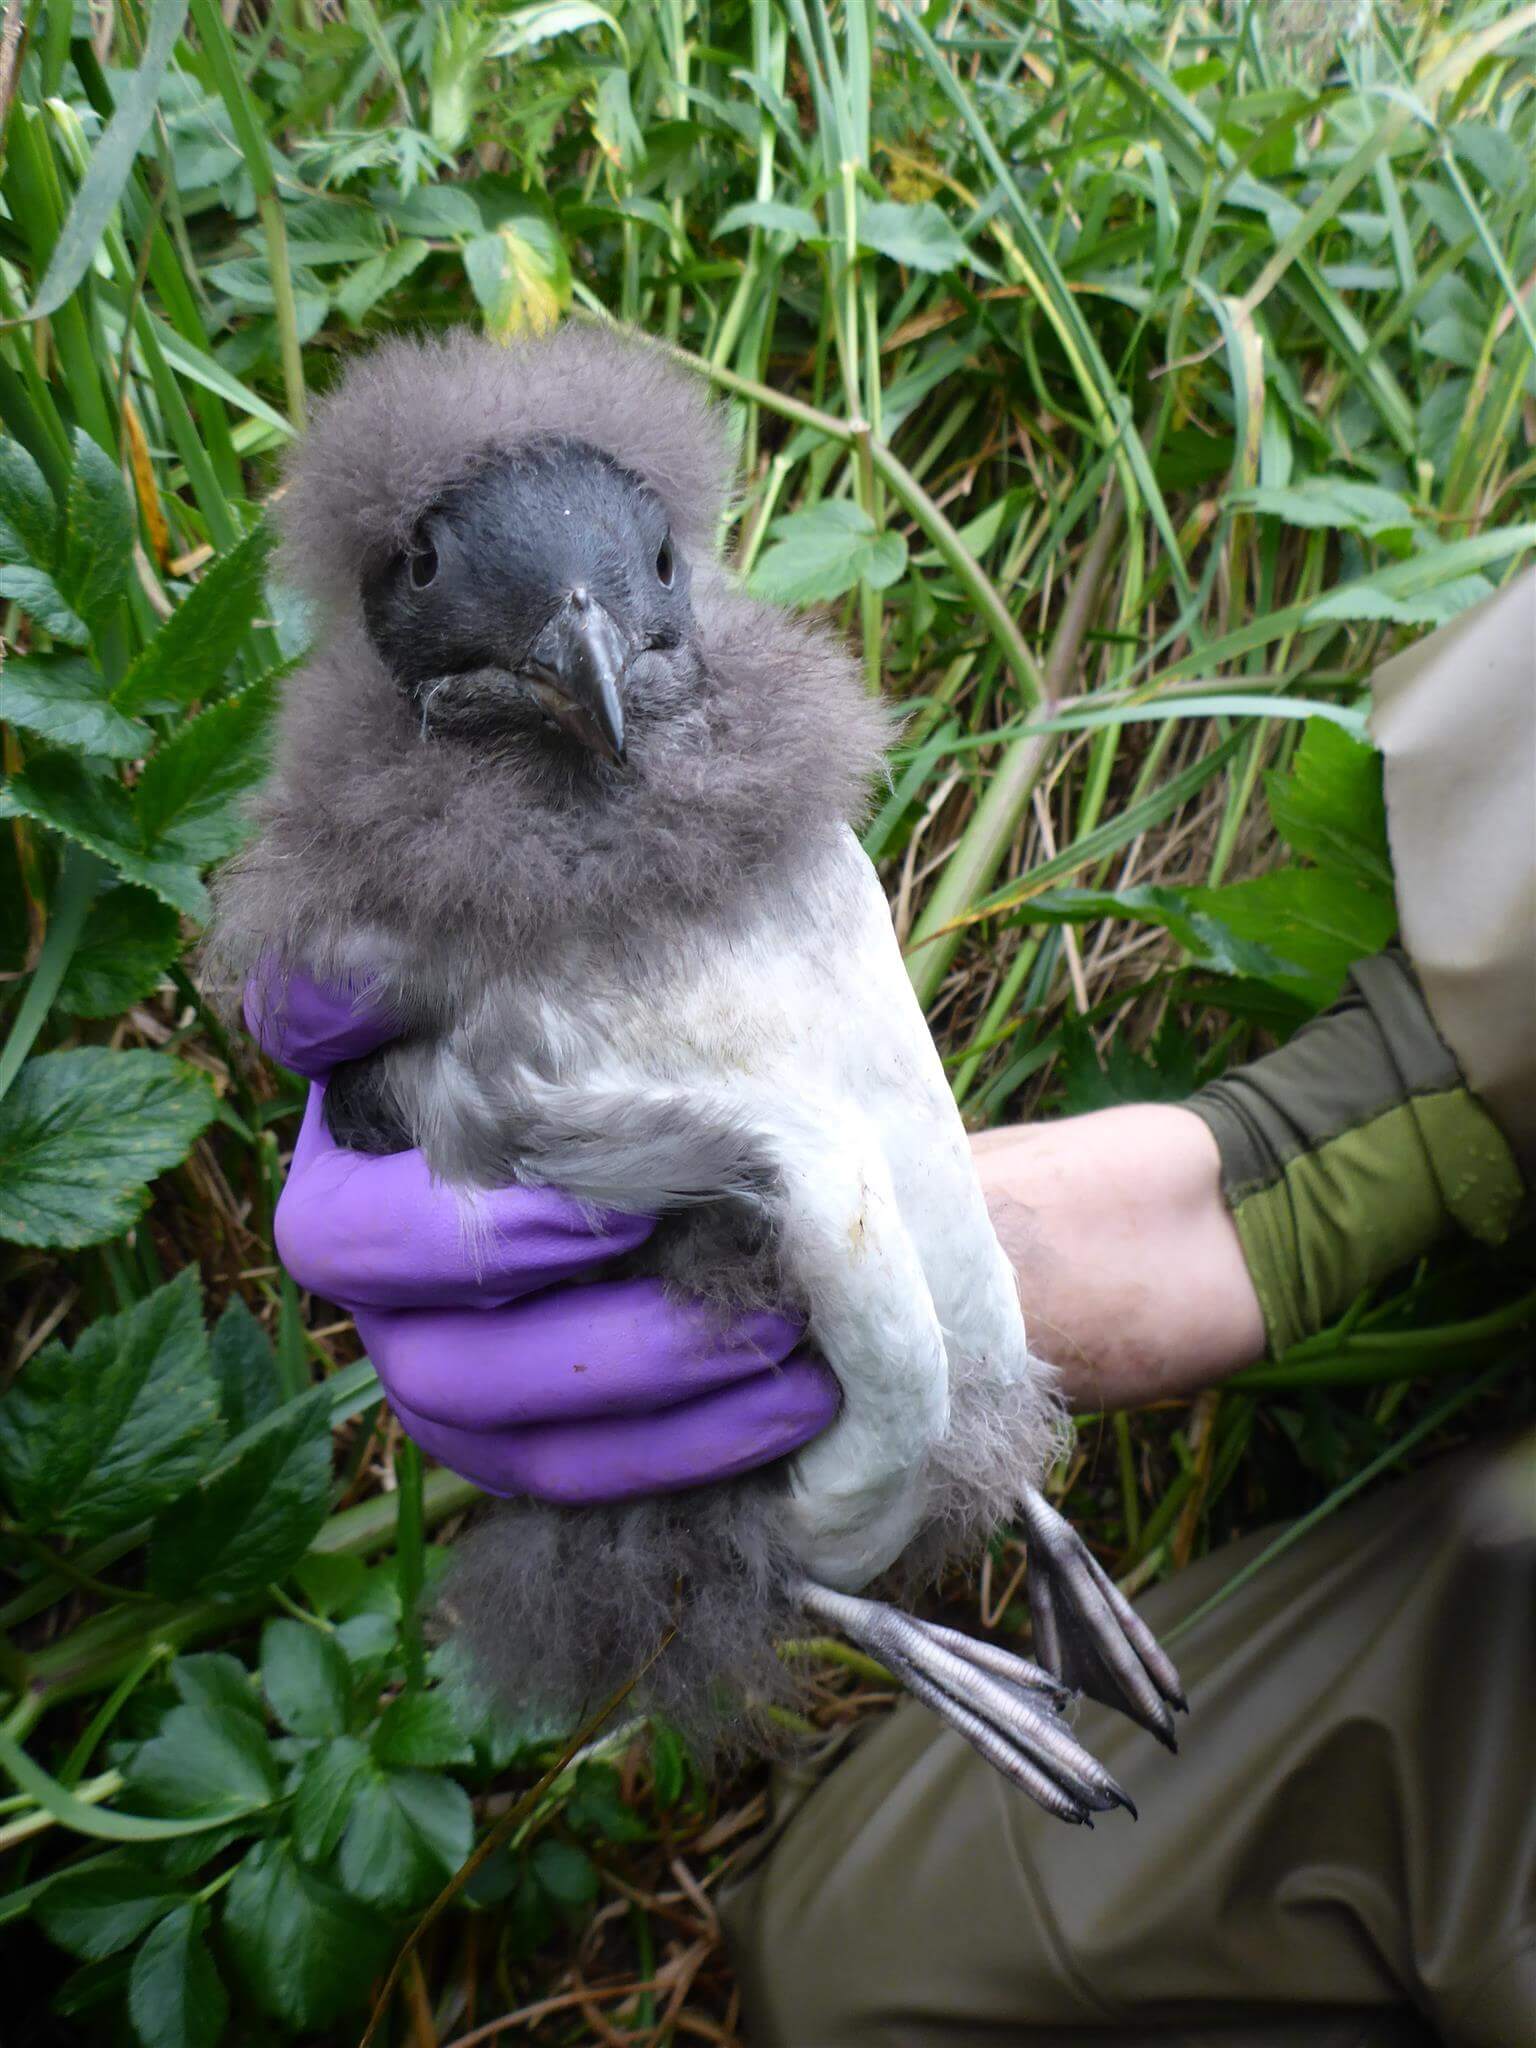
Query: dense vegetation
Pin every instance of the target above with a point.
(1129, 374)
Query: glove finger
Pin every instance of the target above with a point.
(311, 1026)
(615, 1347)
(383, 1233)
(715, 1437)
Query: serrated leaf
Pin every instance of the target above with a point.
(187, 799)
(305, 1676)
(63, 700)
(306, 1952)
(370, 281)
(1331, 807)
(202, 1761)
(1335, 503)
(27, 507)
(82, 1134)
(44, 603)
(919, 236)
(218, 1682)
(421, 1728)
(130, 938)
(175, 1998)
(520, 275)
(250, 1521)
(322, 1795)
(406, 1831)
(96, 1911)
(1318, 920)
(98, 530)
(244, 1368)
(815, 556)
(189, 655)
(95, 1438)
(95, 811)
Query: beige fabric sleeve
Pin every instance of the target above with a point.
(1455, 718)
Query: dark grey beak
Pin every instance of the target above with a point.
(575, 669)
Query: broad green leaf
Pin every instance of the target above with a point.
(768, 213)
(444, 212)
(98, 530)
(306, 1952)
(202, 1761)
(307, 1680)
(1333, 502)
(815, 556)
(189, 655)
(406, 1831)
(42, 600)
(63, 700)
(919, 236)
(218, 1682)
(1168, 1072)
(1318, 920)
(566, 1872)
(1432, 586)
(322, 1795)
(96, 1822)
(81, 1135)
(175, 1998)
(251, 1519)
(520, 275)
(369, 282)
(244, 1367)
(111, 162)
(421, 1728)
(96, 1438)
(187, 799)
(96, 1911)
(1208, 942)
(130, 939)
(96, 811)
(29, 516)
(1330, 806)
(597, 1805)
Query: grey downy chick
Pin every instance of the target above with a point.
(583, 810)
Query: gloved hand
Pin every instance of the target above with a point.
(493, 1361)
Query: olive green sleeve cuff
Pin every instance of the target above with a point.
(1350, 1151)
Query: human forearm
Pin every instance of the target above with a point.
(1133, 1279)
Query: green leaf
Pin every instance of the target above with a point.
(202, 1761)
(245, 1367)
(189, 655)
(668, 1763)
(1168, 1071)
(218, 1682)
(322, 1795)
(29, 517)
(96, 1911)
(815, 556)
(129, 939)
(1331, 806)
(566, 1872)
(63, 701)
(249, 1521)
(768, 213)
(42, 600)
(307, 1680)
(370, 281)
(111, 162)
(1320, 921)
(520, 275)
(81, 1135)
(95, 1822)
(98, 529)
(919, 236)
(597, 1805)
(187, 800)
(1209, 943)
(406, 1831)
(306, 1952)
(175, 1998)
(421, 1728)
(1332, 502)
(94, 1439)
(96, 812)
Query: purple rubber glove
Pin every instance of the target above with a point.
(599, 1392)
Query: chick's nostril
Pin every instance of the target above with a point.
(581, 598)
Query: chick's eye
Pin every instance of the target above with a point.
(666, 567)
(423, 566)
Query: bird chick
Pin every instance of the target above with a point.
(583, 811)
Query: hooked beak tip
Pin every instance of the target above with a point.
(576, 667)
